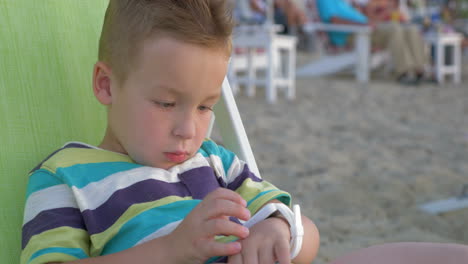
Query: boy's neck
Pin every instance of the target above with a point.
(110, 143)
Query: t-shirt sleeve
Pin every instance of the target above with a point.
(238, 177)
(53, 227)
(256, 191)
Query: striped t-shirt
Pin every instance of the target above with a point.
(83, 201)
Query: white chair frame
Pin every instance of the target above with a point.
(231, 128)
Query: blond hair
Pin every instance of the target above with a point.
(128, 23)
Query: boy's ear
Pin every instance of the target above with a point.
(102, 83)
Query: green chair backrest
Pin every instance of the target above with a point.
(47, 52)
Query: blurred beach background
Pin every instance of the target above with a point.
(361, 158)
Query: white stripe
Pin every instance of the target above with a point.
(217, 165)
(237, 166)
(96, 193)
(195, 162)
(165, 230)
(57, 196)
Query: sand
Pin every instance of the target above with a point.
(360, 159)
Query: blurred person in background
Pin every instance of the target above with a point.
(391, 31)
(286, 13)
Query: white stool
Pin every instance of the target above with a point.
(440, 41)
(271, 59)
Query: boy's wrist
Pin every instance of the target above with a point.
(172, 254)
(280, 218)
(278, 215)
(293, 217)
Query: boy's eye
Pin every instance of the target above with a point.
(164, 104)
(205, 108)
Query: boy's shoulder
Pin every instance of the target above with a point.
(209, 148)
(73, 153)
(218, 155)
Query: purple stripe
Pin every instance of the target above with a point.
(197, 183)
(244, 175)
(200, 181)
(50, 219)
(235, 220)
(101, 218)
(221, 181)
(71, 145)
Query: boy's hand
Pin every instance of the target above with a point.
(268, 242)
(193, 240)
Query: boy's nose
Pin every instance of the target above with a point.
(185, 127)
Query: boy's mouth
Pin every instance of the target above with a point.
(177, 156)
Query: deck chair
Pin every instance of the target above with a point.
(47, 50)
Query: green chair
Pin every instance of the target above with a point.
(47, 52)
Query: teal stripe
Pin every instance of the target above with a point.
(203, 151)
(147, 223)
(92, 172)
(75, 252)
(227, 157)
(209, 147)
(282, 197)
(39, 180)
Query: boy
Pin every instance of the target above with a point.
(154, 191)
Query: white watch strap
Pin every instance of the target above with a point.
(292, 216)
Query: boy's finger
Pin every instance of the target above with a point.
(282, 252)
(236, 259)
(226, 194)
(219, 207)
(250, 255)
(214, 248)
(225, 227)
(266, 255)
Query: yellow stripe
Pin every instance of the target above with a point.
(72, 156)
(250, 189)
(261, 201)
(67, 237)
(52, 258)
(254, 206)
(101, 239)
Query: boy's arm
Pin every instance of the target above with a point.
(310, 241)
(158, 250)
(256, 191)
(193, 240)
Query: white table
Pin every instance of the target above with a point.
(440, 41)
(278, 51)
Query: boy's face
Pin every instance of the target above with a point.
(160, 115)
